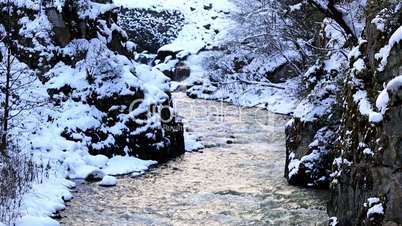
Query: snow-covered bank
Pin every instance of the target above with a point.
(84, 126)
(278, 98)
(85, 94)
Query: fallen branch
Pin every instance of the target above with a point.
(267, 84)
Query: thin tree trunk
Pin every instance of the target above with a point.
(4, 141)
(4, 136)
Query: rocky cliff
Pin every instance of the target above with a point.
(360, 159)
(367, 190)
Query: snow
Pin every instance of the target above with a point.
(98, 161)
(355, 52)
(368, 151)
(272, 99)
(365, 108)
(81, 171)
(384, 52)
(121, 165)
(395, 84)
(334, 221)
(192, 142)
(375, 117)
(71, 159)
(374, 206)
(29, 4)
(43, 200)
(359, 65)
(39, 131)
(309, 112)
(382, 101)
(67, 76)
(39, 27)
(376, 209)
(193, 37)
(36, 221)
(296, 7)
(93, 10)
(108, 181)
(383, 98)
(380, 23)
(293, 167)
(373, 200)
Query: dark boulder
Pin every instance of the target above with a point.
(208, 7)
(181, 72)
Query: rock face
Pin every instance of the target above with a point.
(150, 29)
(307, 153)
(281, 73)
(362, 161)
(62, 33)
(372, 150)
(310, 135)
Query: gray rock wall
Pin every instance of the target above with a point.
(364, 161)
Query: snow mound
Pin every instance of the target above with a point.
(37, 221)
(108, 181)
(192, 142)
(121, 165)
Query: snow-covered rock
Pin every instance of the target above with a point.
(121, 165)
(108, 181)
(192, 142)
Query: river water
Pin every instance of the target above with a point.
(236, 180)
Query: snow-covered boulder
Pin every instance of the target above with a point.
(95, 175)
(108, 181)
(103, 99)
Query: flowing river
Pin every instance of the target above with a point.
(236, 180)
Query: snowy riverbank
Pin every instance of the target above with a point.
(208, 25)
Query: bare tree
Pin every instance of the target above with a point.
(14, 78)
(6, 72)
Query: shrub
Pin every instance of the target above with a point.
(17, 174)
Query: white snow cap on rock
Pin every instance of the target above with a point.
(376, 209)
(365, 108)
(383, 99)
(121, 165)
(108, 181)
(383, 54)
(37, 221)
(192, 142)
(379, 22)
